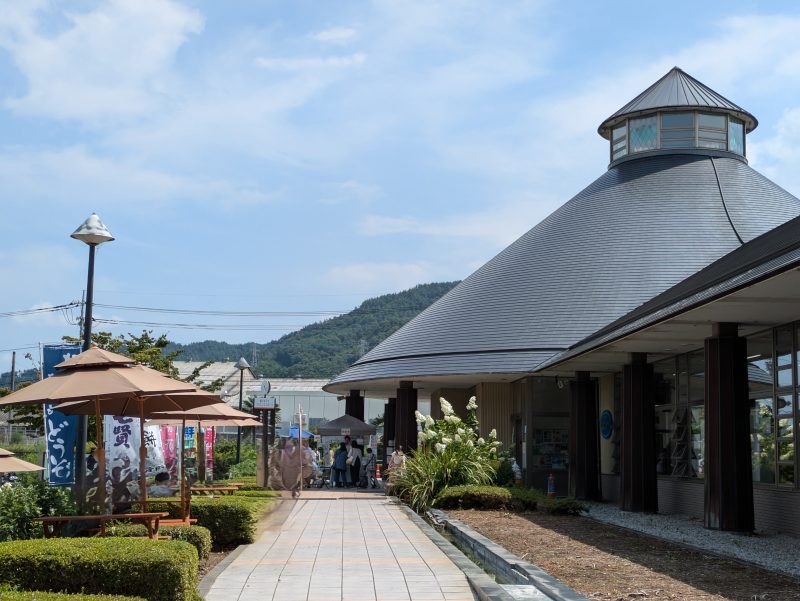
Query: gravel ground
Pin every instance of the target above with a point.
(777, 552)
(606, 562)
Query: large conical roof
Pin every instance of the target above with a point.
(676, 90)
(637, 230)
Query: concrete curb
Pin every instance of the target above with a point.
(508, 567)
(486, 588)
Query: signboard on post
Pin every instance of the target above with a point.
(264, 403)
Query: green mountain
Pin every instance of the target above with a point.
(326, 348)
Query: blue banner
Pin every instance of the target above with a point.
(59, 429)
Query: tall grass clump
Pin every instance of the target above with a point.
(450, 453)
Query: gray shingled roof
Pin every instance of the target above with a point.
(773, 252)
(677, 89)
(636, 231)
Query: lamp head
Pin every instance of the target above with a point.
(242, 364)
(92, 231)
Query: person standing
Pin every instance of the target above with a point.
(339, 466)
(355, 463)
(370, 469)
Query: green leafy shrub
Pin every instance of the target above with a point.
(14, 595)
(474, 497)
(564, 506)
(197, 536)
(52, 500)
(230, 519)
(450, 453)
(504, 475)
(225, 460)
(157, 570)
(18, 509)
(527, 498)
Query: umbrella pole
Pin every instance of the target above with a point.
(142, 458)
(101, 458)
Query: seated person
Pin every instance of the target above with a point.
(161, 487)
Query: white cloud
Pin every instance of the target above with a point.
(336, 35)
(113, 61)
(317, 62)
(352, 191)
(78, 174)
(376, 276)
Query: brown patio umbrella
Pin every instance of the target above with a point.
(9, 463)
(141, 406)
(105, 383)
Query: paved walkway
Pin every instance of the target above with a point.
(350, 547)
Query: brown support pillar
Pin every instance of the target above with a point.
(729, 477)
(388, 428)
(405, 423)
(583, 425)
(639, 485)
(354, 405)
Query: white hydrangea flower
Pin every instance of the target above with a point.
(472, 405)
(447, 408)
(446, 440)
(421, 436)
(461, 431)
(470, 444)
(481, 441)
(419, 417)
(429, 421)
(440, 447)
(493, 433)
(457, 438)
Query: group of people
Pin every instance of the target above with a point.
(350, 467)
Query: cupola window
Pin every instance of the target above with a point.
(644, 135)
(666, 130)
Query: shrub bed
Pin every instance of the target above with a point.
(473, 497)
(197, 536)
(157, 570)
(230, 519)
(11, 595)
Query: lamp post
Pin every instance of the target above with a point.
(94, 233)
(241, 365)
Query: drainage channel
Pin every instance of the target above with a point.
(519, 579)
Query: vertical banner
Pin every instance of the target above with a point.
(155, 462)
(171, 451)
(121, 435)
(60, 430)
(209, 433)
(190, 454)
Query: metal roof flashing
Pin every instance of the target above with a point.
(701, 152)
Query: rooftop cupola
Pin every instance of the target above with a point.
(677, 115)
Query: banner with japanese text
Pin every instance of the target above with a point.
(60, 430)
(121, 435)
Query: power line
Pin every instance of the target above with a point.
(200, 326)
(52, 309)
(225, 313)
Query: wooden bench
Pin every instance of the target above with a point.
(178, 522)
(223, 490)
(54, 524)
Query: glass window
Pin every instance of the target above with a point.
(785, 404)
(619, 132)
(787, 474)
(711, 121)
(643, 134)
(736, 136)
(698, 440)
(783, 346)
(697, 377)
(677, 120)
(711, 144)
(762, 441)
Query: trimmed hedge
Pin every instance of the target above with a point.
(230, 519)
(474, 497)
(41, 596)
(157, 570)
(197, 536)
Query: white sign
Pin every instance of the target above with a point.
(345, 431)
(264, 402)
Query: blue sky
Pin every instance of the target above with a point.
(304, 156)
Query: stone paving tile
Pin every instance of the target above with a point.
(342, 547)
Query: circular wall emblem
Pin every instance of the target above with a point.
(606, 424)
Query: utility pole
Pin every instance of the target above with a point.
(13, 371)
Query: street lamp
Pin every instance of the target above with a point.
(241, 365)
(94, 233)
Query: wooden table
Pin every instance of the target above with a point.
(54, 524)
(223, 490)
